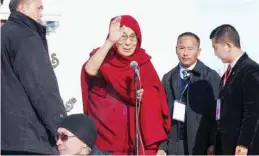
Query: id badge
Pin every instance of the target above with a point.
(179, 111)
(218, 109)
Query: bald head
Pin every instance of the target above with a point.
(13, 5)
(30, 8)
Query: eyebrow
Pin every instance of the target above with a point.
(186, 46)
(124, 33)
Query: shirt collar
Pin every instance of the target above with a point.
(182, 69)
(232, 64)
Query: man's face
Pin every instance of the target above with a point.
(221, 50)
(128, 42)
(187, 50)
(32, 8)
(69, 144)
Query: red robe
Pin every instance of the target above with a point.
(109, 99)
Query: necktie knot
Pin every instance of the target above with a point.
(228, 69)
(185, 74)
(227, 75)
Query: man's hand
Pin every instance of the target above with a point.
(241, 150)
(210, 150)
(139, 94)
(115, 30)
(160, 153)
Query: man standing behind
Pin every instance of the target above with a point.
(31, 104)
(238, 104)
(191, 89)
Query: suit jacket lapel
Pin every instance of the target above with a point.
(175, 81)
(197, 70)
(171, 86)
(175, 78)
(234, 71)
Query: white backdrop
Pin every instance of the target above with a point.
(84, 26)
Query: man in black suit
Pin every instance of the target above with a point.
(194, 87)
(237, 111)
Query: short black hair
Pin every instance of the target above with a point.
(13, 5)
(190, 34)
(226, 32)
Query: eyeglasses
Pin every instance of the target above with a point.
(132, 38)
(63, 137)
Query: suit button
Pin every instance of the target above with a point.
(61, 115)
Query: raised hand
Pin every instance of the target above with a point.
(115, 30)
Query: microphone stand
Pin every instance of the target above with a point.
(136, 113)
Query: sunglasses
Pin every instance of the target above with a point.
(63, 137)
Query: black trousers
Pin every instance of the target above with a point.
(223, 148)
(218, 147)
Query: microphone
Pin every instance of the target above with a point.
(134, 66)
(69, 105)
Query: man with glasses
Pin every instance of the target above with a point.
(109, 94)
(76, 135)
(191, 88)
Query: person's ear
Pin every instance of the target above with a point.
(199, 52)
(229, 45)
(21, 8)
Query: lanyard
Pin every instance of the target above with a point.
(182, 92)
(185, 88)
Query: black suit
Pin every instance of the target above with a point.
(239, 117)
(200, 123)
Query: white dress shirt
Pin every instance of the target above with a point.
(183, 69)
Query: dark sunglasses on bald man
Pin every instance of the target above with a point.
(63, 137)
